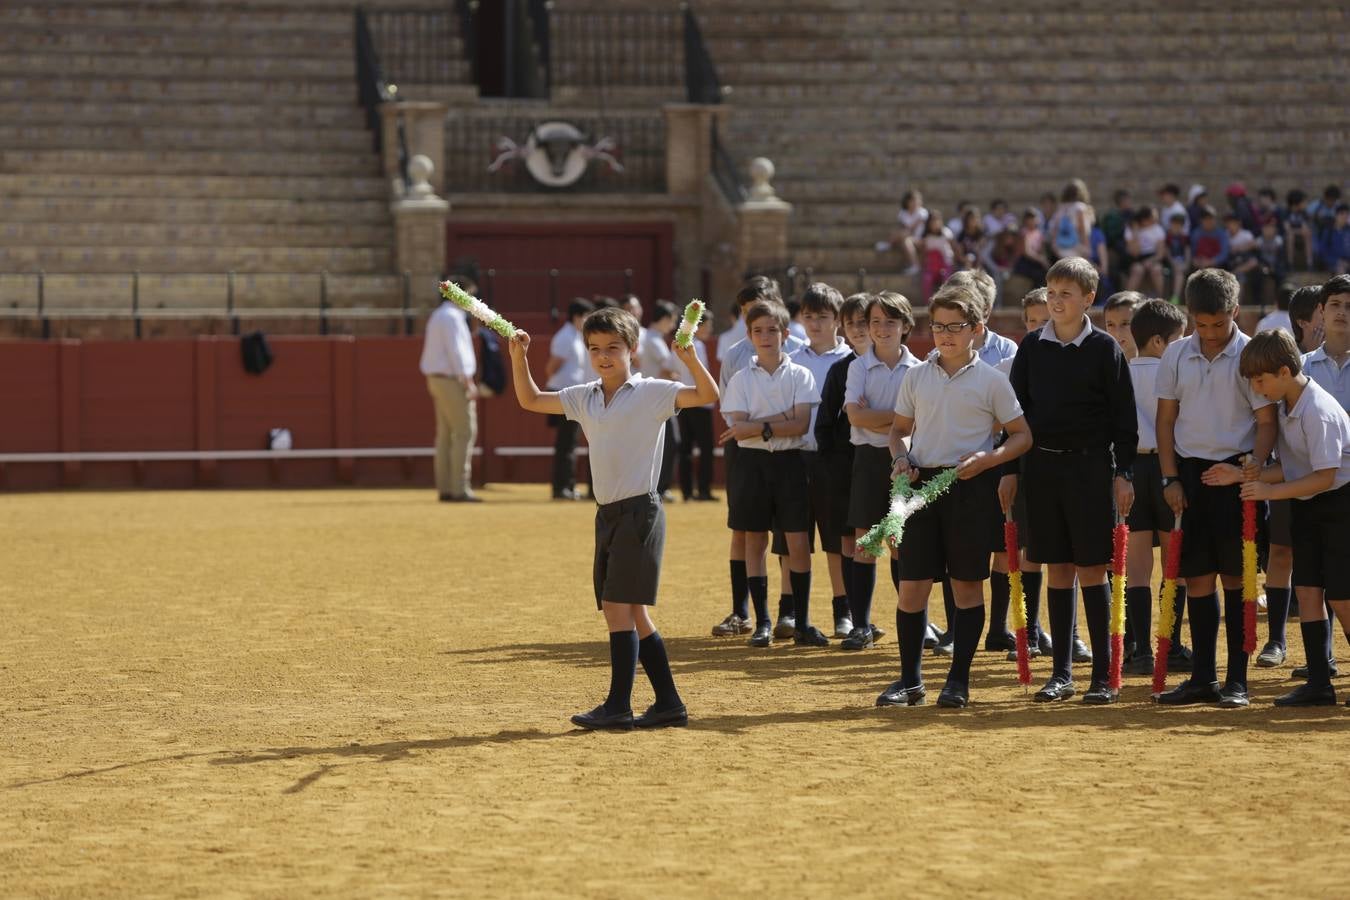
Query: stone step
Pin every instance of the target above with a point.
(152, 42)
(309, 6)
(300, 290)
(78, 234)
(258, 90)
(83, 208)
(180, 17)
(220, 115)
(190, 187)
(463, 95)
(133, 137)
(194, 67)
(173, 162)
(115, 259)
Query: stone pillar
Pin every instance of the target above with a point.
(762, 221)
(689, 146)
(419, 232)
(424, 131)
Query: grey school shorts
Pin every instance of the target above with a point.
(630, 535)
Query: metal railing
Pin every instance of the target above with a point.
(700, 75)
(416, 46)
(371, 87)
(472, 145)
(726, 173)
(467, 10)
(604, 48)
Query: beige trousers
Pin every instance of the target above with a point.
(456, 431)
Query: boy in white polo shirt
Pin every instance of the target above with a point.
(623, 416)
(1209, 414)
(1313, 471)
(869, 401)
(946, 413)
(768, 405)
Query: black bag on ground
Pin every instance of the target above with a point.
(256, 353)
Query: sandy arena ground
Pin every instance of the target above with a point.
(358, 693)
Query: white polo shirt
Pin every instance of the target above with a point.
(655, 357)
(1144, 374)
(1215, 420)
(569, 346)
(954, 414)
(1334, 379)
(759, 394)
(728, 339)
(627, 436)
(996, 348)
(819, 366)
(742, 353)
(870, 378)
(1315, 435)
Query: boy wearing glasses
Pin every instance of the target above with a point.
(946, 414)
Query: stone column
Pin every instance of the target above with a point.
(762, 221)
(424, 131)
(419, 232)
(689, 146)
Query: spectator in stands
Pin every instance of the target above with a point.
(909, 229)
(1147, 243)
(568, 364)
(1336, 242)
(449, 365)
(1267, 208)
(1004, 251)
(1100, 256)
(1298, 230)
(956, 222)
(1241, 205)
(1032, 263)
(1046, 207)
(972, 241)
(1114, 223)
(1270, 253)
(1197, 198)
(1169, 204)
(1070, 226)
(1178, 254)
(1242, 260)
(1322, 212)
(938, 249)
(999, 219)
(1209, 242)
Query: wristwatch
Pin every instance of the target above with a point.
(1169, 480)
(767, 432)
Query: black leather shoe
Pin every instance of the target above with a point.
(1081, 653)
(1233, 696)
(858, 639)
(954, 695)
(600, 720)
(1056, 688)
(1142, 664)
(899, 695)
(842, 626)
(810, 637)
(1179, 659)
(946, 648)
(1302, 672)
(1271, 656)
(996, 643)
(785, 628)
(1033, 651)
(763, 635)
(877, 633)
(1099, 693)
(931, 637)
(1307, 695)
(671, 717)
(1189, 692)
(1044, 644)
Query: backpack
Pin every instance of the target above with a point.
(1066, 232)
(493, 371)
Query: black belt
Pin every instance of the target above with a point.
(637, 501)
(1080, 451)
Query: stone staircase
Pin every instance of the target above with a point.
(184, 140)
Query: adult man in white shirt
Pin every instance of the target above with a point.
(449, 364)
(568, 364)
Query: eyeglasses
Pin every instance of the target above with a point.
(954, 328)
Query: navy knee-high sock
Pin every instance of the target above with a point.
(999, 593)
(652, 654)
(1097, 608)
(740, 592)
(1314, 644)
(909, 631)
(801, 598)
(895, 573)
(1277, 614)
(1205, 637)
(1060, 603)
(623, 657)
(841, 603)
(1178, 612)
(949, 610)
(759, 597)
(1031, 587)
(1237, 657)
(969, 627)
(1139, 605)
(864, 583)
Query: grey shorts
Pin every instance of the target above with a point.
(630, 535)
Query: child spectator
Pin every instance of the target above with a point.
(1322, 211)
(972, 242)
(1071, 225)
(1147, 242)
(1169, 203)
(835, 446)
(1267, 208)
(869, 400)
(1209, 414)
(768, 406)
(1074, 385)
(1271, 261)
(622, 417)
(1117, 314)
(910, 219)
(1209, 242)
(999, 218)
(946, 413)
(938, 248)
(1032, 262)
(1241, 205)
(1196, 201)
(1313, 471)
(957, 222)
(1242, 260)
(1298, 228)
(1114, 223)
(1045, 210)
(1336, 242)
(1178, 254)
(1155, 325)
(1100, 257)
(696, 427)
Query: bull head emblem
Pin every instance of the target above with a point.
(556, 154)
